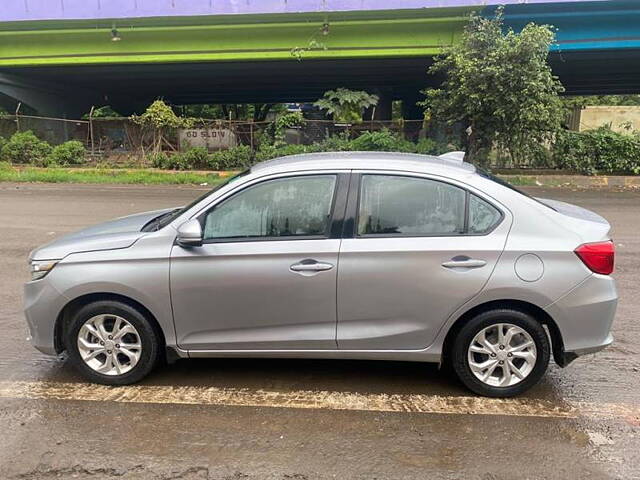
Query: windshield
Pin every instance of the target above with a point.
(167, 217)
(493, 178)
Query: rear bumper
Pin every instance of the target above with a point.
(564, 358)
(584, 318)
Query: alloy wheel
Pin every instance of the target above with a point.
(109, 344)
(502, 355)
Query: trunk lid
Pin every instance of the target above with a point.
(590, 226)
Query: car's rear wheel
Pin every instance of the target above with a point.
(501, 353)
(111, 343)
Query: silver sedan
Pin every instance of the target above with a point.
(335, 255)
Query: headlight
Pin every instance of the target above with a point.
(40, 268)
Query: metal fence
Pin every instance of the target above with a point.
(121, 139)
(103, 136)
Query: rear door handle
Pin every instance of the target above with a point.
(310, 266)
(464, 263)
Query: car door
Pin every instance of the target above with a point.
(415, 249)
(265, 276)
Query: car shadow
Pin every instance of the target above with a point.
(290, 375)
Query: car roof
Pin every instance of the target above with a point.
(366, 160)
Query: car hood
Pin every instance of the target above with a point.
(118, 233)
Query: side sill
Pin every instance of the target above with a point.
(394, 355)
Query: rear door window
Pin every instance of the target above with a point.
(398, 205)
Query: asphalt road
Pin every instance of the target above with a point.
(293, 419)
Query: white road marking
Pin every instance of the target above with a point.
(307, 399)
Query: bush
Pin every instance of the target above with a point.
(159, 160)
(267, 152)
(336, 143)
(597, 151)
(5, 167)
(25, 147)
(236, 158)
(382, 141)
(67, 153)
(196, 158)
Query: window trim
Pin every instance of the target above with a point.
(338, 201)
(353, 214)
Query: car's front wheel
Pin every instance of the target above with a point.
(111, 343)
(501, 353)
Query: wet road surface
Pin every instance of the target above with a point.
(304, 419)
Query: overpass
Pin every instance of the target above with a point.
(61, 57)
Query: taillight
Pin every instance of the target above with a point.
(598, 257)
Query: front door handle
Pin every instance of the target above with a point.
(464, 262)
(310, 266)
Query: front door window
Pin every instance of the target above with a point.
(278, 209)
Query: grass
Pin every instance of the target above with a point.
(120, 176)
(519, 180)
(148, 176)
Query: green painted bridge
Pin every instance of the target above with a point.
(61, 58)
(235, 59)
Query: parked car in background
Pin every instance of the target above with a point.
(335, 255)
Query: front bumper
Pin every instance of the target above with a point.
(584, 318)
(42, 304)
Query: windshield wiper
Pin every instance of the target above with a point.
(158, 222)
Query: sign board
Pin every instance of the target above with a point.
(210, 138)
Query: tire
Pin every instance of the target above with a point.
(491, 323)
(108, 312)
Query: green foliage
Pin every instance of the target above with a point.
(103, 112)
(256, 112)
(346, 105)
(196, 158)
(192, 159)
(382, 141)
(67, 153)
(428, 146)
(336, 143)
(161, 116)
(159, 160)
(597, 151)
(499, 83)
(203, 111)
(25, 147)
(267, 152)
(283, 122)
(120, 176)
(5, 167)
(589, 100)
(274, 133)
(236, 158)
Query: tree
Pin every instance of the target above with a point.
(160, 118)
(346, 105)
(256, 112)
(499, 84)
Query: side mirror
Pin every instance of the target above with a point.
(190, 234)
